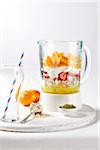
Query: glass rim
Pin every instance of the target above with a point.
(59, 41)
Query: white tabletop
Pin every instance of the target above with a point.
(84, 138)
(79, 139)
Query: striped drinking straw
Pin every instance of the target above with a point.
(12, 89)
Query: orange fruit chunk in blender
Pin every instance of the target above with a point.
(64, 61)
(48, 61)
(57, 59)
(29, 96)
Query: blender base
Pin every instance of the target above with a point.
(50, 102)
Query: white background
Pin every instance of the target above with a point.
(25, 22)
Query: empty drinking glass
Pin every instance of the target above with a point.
(11, 79)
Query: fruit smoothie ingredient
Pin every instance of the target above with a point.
(67, 106)
(59, 59)
(29, 96)
(62, 76)
(61, 73)
(36, 108)
(56, 60)
(60, 89)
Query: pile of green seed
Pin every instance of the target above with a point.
(67, 106)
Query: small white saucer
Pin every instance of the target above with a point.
(72, 112)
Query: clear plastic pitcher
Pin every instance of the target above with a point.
(64, 65)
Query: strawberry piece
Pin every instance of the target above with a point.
(46, 77)
(63, 76)
(45, 72)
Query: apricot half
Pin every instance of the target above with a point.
(29, 96)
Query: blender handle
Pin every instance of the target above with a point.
(87, 67)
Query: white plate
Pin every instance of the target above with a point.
(54, 122)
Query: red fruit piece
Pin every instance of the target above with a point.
(45, 74)
(76, 75)
(46, 77)
(55, 79)
(62, 76)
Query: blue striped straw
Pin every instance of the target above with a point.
(12, 89)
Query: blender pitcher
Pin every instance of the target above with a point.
(64, 65)
(61, 63)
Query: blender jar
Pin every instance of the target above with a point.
(63, 66)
